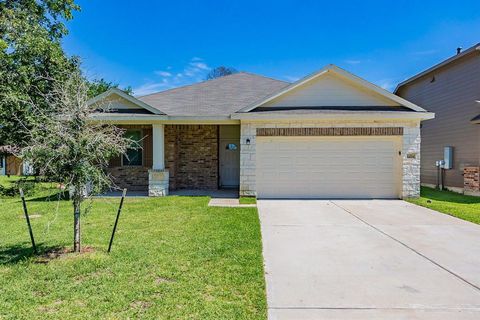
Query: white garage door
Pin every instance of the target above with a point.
(328, 167)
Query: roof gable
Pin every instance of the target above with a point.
(118, 101)
(332, 87)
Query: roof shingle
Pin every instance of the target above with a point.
(221, 96)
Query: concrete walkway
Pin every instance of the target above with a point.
(368, 259)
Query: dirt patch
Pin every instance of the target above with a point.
(140, 305)
(32, 216)
(159, 280)
(58, 253)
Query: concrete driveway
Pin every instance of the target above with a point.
(368, 259)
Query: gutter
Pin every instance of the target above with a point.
(346, 115)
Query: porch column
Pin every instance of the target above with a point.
(158, 176)
(158, 147)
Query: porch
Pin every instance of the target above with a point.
(176, 157)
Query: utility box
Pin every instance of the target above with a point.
(448, 157)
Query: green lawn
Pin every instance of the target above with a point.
(173, 258)
(454, 204)
(247, 200)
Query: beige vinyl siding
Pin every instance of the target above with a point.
(452, 97)
(330, 90)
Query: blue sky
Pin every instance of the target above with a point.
(157, 45)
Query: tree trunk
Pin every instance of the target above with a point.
(76, 221)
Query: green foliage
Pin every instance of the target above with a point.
(99, 86)
(13, 190)
(31, 57)
(65, 145)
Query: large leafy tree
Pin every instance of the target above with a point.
(31, 59)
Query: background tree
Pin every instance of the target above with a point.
(98, 86)
(31, 56)
(220, 72)
(66, 146)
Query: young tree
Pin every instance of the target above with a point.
(66, 146)
(220, 72)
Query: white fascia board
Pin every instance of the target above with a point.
(124, 95)
(346, 115)
(334, 69)
(149, 119)
(112, 117)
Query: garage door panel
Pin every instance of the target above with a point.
(328, 167)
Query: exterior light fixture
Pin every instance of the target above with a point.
(247, 141)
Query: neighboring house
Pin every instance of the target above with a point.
(9, 164)
(328, 135)
(450, 89)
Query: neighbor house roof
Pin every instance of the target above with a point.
(217, 97)
(473, 49)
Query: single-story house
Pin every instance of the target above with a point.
(328, 135)
(451, 89)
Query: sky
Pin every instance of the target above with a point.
(157, 45)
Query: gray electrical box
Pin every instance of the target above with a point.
(448, 157)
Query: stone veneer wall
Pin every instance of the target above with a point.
(471, 181)
(410, 149)
(191, 156)
(134, 178)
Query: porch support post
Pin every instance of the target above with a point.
(158, 147)
(158, 176)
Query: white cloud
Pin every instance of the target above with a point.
(200, 65)
(387, 85)
(163, 73)
(194, 71)
(291, 78)
(352, 61)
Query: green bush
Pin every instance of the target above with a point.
(14, 189)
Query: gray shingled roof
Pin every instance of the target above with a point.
(219, 97)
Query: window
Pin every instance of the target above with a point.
(134, 155)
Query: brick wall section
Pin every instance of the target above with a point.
(307, 132)
(191, 156)
(471, 180)
(410, 146)
(134, 178)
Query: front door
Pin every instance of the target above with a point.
(229, 163)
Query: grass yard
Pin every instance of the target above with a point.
(173, 258)
(452, 203)
(247, 200)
